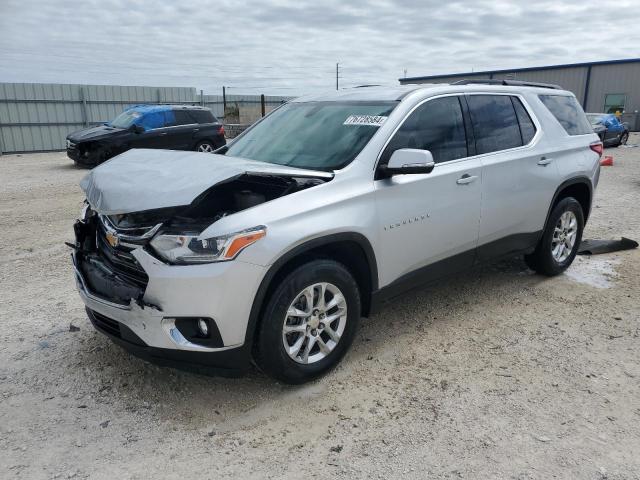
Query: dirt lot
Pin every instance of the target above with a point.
(498, 373)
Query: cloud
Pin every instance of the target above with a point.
(291, 47)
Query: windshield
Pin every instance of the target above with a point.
(126, 119)
(314, 135)
(595, 119)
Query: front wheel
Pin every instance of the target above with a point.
(309, 322)
(205, 146)
(560, 240)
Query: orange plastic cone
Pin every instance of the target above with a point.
(607, 161)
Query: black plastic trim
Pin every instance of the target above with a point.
(259, 298)
(227, 363)
(567, 183)
(508, 246)
(188, 329)
(423, 276)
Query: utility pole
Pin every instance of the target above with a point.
(224, 100)
(337, 66)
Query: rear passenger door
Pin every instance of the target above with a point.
(517, 180)
(429, 222)
(179, 130)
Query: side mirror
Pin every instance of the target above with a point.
(409, 161)
(136, 128)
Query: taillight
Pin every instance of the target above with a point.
(221, 130)
(597, 147)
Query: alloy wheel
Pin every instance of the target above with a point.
(314, 323)
(564, 236)
(205, 147)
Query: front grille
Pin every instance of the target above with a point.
(120, 260)
(105, 324)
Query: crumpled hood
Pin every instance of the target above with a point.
(145, 179)
(95, 133)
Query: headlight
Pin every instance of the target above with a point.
(186, 248)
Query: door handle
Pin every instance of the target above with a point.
(466, 179)
(544, 161)
(196, 129)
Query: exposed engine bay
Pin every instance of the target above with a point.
(221, 200)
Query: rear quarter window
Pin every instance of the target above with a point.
(568, 112)
(527, 128)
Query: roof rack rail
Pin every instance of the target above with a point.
(510, 83)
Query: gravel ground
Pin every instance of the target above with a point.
(497, 373)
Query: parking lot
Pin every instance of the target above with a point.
(497, 373)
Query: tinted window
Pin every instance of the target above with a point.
(527, 128)
(495, 124)
(183, 117)
(203, 116)
(568, 112)
(437, 126)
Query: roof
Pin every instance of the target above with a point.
(397, 93)
(526, 69)
(154, 107)
(362, 94)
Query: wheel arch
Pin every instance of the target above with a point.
(349, 248)
(579, 188)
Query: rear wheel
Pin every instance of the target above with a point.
(205, 146)
(309, 322)
(624, 138)
(560, 240)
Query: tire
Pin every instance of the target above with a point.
(269, 352)
(543, 260)
(623, 138)
(205, 146)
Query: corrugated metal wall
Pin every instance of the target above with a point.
(604, 79)
(572, 79)
(38, 117)
(569, 78)
(607, 79)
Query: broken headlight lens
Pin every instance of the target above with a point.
(187, 248)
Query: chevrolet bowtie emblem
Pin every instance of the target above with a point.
(113, 240)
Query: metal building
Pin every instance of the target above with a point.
(606, 86)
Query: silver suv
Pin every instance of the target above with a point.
(273, 248)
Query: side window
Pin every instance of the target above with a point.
(151, 120)
(203, 116)
(436, 125)
(568, 112)
(182, 117)
(495, 124)
(527, 128)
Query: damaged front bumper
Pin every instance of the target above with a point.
(147, 317)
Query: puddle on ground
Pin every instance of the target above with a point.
(595, 271)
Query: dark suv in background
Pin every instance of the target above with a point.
(172, 127)
(609, 128)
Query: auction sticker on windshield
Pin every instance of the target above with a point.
(369, 120)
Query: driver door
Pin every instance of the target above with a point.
(429, 223)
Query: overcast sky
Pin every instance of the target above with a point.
(291, 47)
